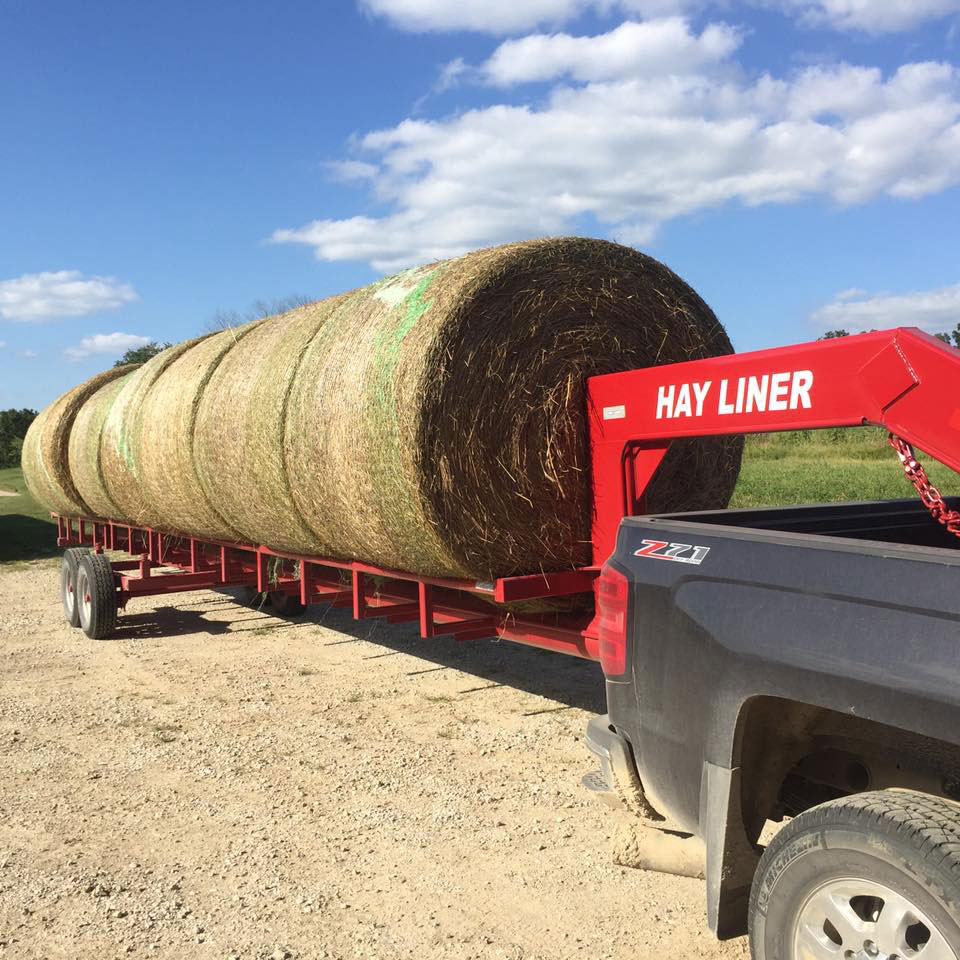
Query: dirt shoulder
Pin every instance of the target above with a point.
(217, 783)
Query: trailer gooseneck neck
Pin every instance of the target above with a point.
(901, 379)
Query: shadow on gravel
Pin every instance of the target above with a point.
(569, 681)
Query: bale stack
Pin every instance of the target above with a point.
(434, 422)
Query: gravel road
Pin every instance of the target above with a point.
(215, 782)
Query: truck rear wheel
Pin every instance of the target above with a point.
(96, 596)
(68, 583)
(873, 875)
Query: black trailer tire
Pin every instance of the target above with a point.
(97, 596)
(252, 597)
(871, 875)
(68, 583)
(285, 604)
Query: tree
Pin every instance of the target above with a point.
(142, 354)
(228, 319)
(13, 428)
(834, 334)
(952, 338)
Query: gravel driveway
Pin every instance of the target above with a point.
(215, 782)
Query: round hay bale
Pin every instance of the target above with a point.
(121, 448)
(167, 468)
(242, 469)
(437, 421)
(45, 453)
(84, 447)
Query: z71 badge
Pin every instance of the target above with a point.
(678, 552)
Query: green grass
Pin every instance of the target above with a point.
(26, 530)
(820, 466)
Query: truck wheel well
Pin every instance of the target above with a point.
(796, 755)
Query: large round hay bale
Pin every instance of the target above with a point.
(45, 453)
(437, 421)
(242, 469)
(122, 450)
(84, 447)
(167, 469)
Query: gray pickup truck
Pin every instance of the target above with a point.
(796, 664)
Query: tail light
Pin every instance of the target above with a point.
(612, 591)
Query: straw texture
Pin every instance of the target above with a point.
(45, 454)
(83, 451)
(434, 422)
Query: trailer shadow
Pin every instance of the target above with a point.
(569, 681)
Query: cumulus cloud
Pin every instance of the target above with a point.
(31, 354)
(651, 48)
(514, 16)
(3, 343)
(935, 311)
(632, 153)
(62, 293)
(112, 344)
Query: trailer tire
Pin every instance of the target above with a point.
(97, 596)
(252, 597)
(873, 874)
(68, 583)
(285, 604)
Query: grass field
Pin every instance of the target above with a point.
(826, 465)
(802, 467)
(26, 530)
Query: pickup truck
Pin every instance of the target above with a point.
(795, 664)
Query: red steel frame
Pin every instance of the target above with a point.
(901, 379)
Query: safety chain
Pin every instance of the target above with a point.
(929, 494)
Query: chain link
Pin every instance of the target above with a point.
(929, 494)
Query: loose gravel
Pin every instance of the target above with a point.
(217, 783)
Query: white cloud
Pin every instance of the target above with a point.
(112, 344)
(633, 153)
(872, 16)
(935, 311)
(651, 48)
(61, 293)
(3, 343)
(488, 16)
(31, 354)
(515, 16)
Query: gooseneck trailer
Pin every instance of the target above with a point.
(797, 663)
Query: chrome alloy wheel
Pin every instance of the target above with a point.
(849, 919)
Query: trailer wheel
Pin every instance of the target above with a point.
(252, 597)
(873, 875)
(68, 583)
(285, 604)
(96, 596)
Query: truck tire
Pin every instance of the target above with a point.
(871, 875)
(68, 583)
(96, 596)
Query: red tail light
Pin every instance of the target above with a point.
(612, 591)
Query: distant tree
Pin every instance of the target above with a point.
(952, 338)
(13, 428)
(228, 319)
(834, 334)
(142, 354)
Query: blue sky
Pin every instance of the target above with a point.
(797, 161)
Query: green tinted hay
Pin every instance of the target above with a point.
(241, 468)
(45, 454)
(122, 450)
(437, 422)
(167, 469)
(84, 447)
